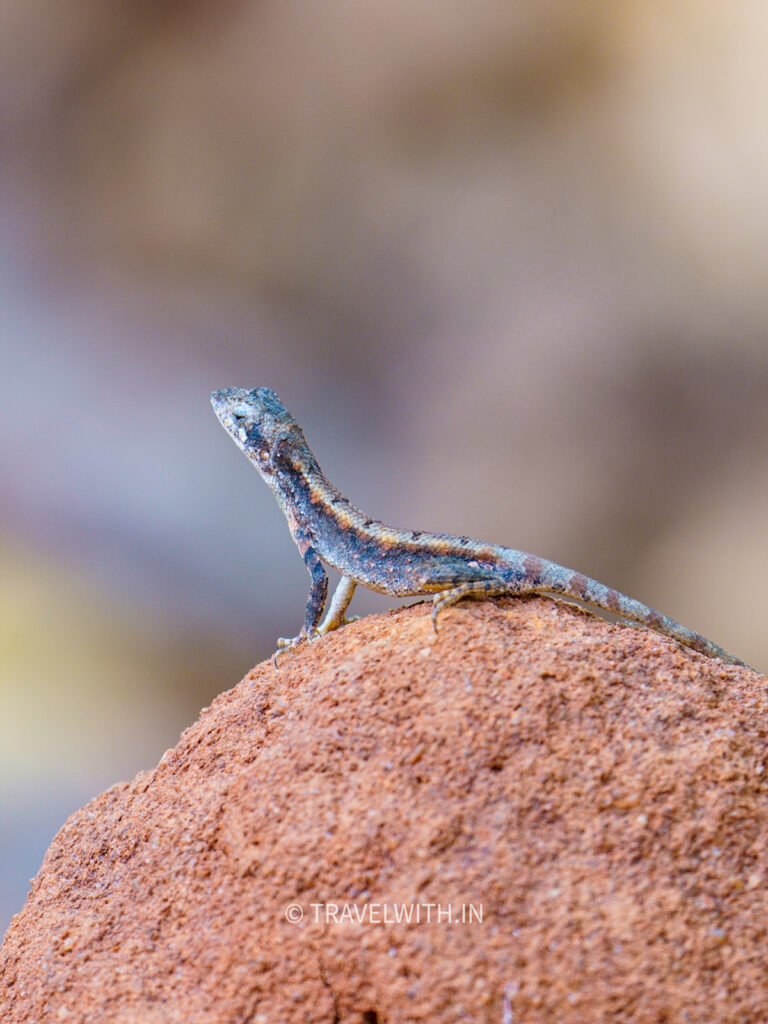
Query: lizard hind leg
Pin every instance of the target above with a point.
(475, 589)
(451, 579)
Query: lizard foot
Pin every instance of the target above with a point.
(286, 644)
(324, 629)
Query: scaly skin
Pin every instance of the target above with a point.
(327, 527)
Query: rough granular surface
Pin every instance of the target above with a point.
(573, 814)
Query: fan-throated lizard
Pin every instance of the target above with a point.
(327, 527)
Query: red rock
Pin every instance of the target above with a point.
(595, 792)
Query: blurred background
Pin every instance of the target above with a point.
(506, 264)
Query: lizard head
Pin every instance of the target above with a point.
(261, 426)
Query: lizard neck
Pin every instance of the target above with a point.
(303, 491)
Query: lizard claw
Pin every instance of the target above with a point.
(285, 644)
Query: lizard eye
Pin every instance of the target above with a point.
(263, 455)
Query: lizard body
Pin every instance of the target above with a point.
(327, 527)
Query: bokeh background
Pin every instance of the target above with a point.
(505, 262)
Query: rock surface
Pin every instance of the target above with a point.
(596, 793)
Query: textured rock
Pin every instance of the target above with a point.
(596, 792)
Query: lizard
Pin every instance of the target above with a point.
(327, 527)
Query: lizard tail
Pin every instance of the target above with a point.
(556, 579)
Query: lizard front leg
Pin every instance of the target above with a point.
(339, 603)
(318, 592)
